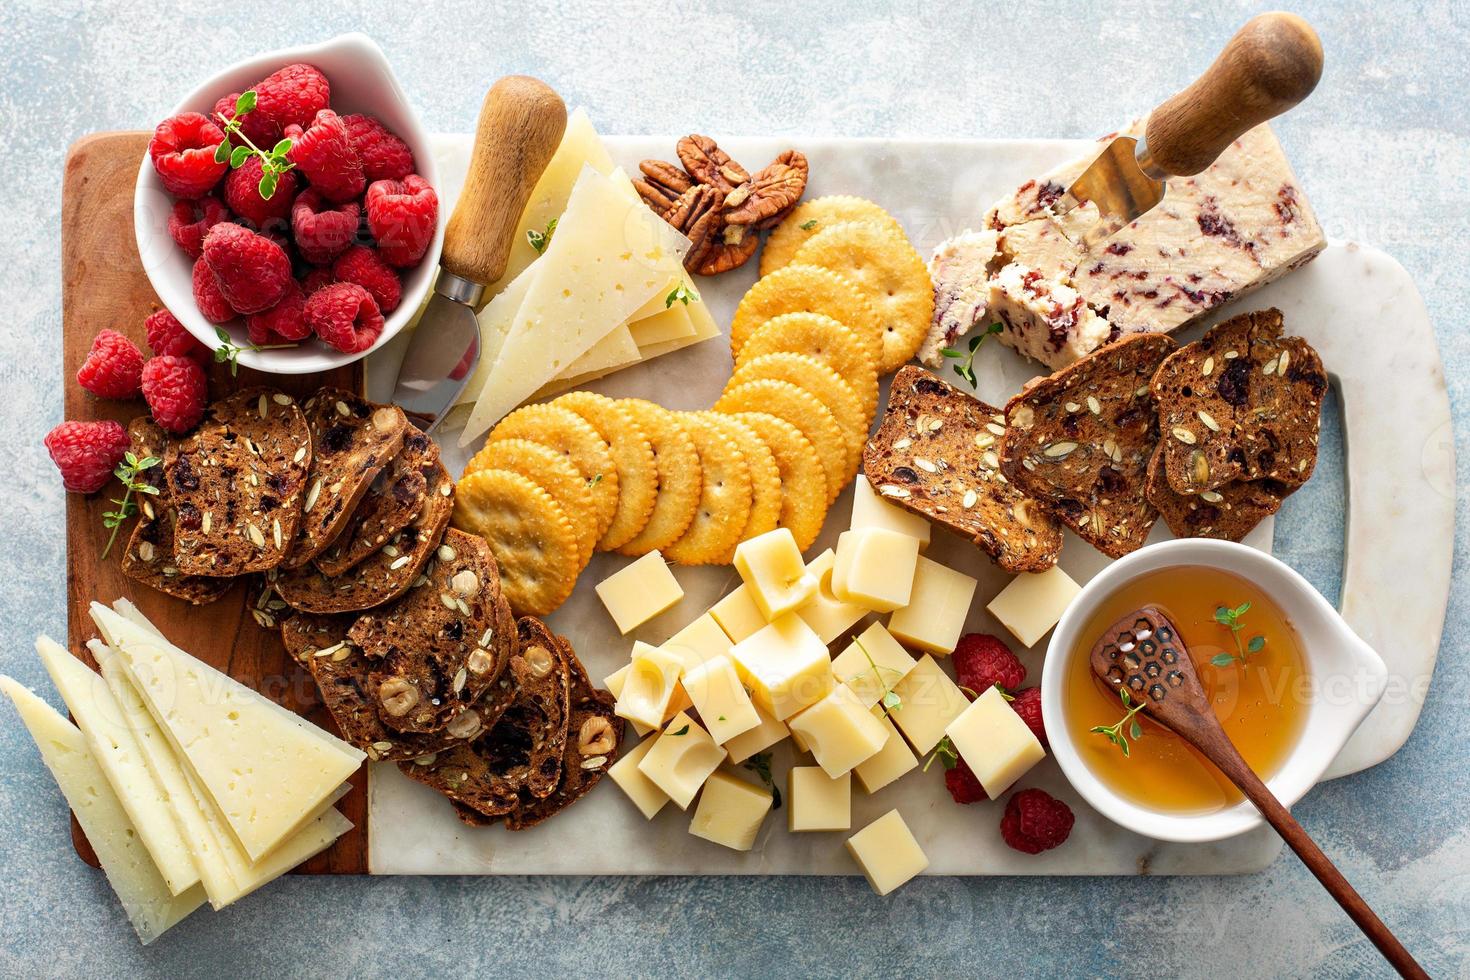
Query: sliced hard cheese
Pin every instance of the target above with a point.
(150, 906)
(495, 321)
(118, 755)
(661, 325)
(267, 770)
(612, 353)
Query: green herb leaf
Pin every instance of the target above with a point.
(760, 764)
(281, 148)
(222, 152)
(951, 352)
(966, 368)
(538, 240)
(229, 353)
(1255, 645)
(892, 701)
(238, 156)
(808, 225)
(945, 753)
(1223, 659)
(1114, 733)
(245, 103)
(1137, 730)
(682, 731)
(267, 186)
(681, 293)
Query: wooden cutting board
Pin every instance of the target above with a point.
(103, 286)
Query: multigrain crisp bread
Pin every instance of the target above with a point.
(236, 484)
(1229, 512)
(1080, 442)
(1240, 403)
(390, 505)
(936, 454)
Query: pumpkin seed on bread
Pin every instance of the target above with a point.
(391, 503)
(1229, 512)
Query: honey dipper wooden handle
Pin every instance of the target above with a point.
(1270, 65)
(521, 125)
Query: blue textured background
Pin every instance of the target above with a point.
(1383, 148)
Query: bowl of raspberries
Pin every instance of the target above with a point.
(288, 208)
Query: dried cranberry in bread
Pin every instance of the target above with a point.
(935, 454)
(1240, 403)
(1229, 512)
(390, 504)
(352, 440)
(236, 484)
(1080, 442)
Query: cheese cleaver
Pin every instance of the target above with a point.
(521, 125)
(1270, 65)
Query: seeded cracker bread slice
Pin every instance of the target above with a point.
(352, 439)
(387, 574)
(1229, 512)
(236, 484)
(438, 646)
(935, 454)
(1080, 442)
(393, 501)
(1240, 403)
(150, 553)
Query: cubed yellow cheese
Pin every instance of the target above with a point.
(681, 759)
(648, 687)
(875, 568)
(637, 593)
(785, 665)
(935, 616)
(887, 852)
(869, 509)
(828, 616)
(679, 702)
(773, 570)
(699, 642)
(1032, 603)
(644, 792)
(764, 735)
(738, 615)
(840, 731)
(892, 761)
(873, 664)
(816, 801)
(995, 743)
(730, 812)
(928, 702)
(724, 707)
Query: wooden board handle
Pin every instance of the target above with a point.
(521, 125)
(1270, 65)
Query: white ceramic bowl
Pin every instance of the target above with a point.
(1346, 679)
(361, 81)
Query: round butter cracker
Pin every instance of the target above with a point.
(679, 477)
(807, 289)
(632, 455)
(814, 376)
(803, 484)
(803, 410)
(528, 533)
(765, 475)
(725, 497)
(567, 433)
(552, 472)
(824, 339)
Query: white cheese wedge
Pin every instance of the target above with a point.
(996, 744)
(150, 906)
(662, 325)
(816, 801)
(268, 770)
(613, 352)
(887, 852)
(639, 591)
(118, 755)
(730, 812)
(495, 322)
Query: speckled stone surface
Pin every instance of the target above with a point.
(1383, 149)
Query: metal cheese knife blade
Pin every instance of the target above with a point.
(1270, 65)
(521, 124)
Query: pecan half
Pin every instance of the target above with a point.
(696, 215)
(771, 194)
(708, 164)
(732, 249)
(661, 185)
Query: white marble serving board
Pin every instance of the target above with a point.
(1356, 305)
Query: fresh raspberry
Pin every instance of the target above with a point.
(962, 784)
(1028, 705)
(113, 366)
(402, 215)
(345, 316)
(182, 151)
(283, 323)
(321, 231)
(316, 277)
(189, 221)
(1035, 821)
(253, 272)
(208, 296)
(365, 267)
(242, 194)
(166, 335)
(86, 453)
(175, 390)
(291, 96)
(981, 660)
(325, 155)
(254, 126)
(384, 155)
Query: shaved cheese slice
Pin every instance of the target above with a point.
(495, 320)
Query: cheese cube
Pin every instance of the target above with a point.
(679, 702)
(644, 792)
(700, 642)
(1032, 603)
(681, 759)
(873, 664)
(724, 707)
(648, 687)
(887, 852)
(893, 760)
(785, 665)
(828, 616)
(870, 509)
(738, 615)
(639, 592)
(995, 743)
(875, 568)
(774, 572)
(935, 616)
(839, 731)
(758, 739)
(816, 801)
(730, 812)
(928, 702)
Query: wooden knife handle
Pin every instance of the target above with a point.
(521, 125)
(1270, 65)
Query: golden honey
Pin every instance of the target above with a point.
(1262, 703)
